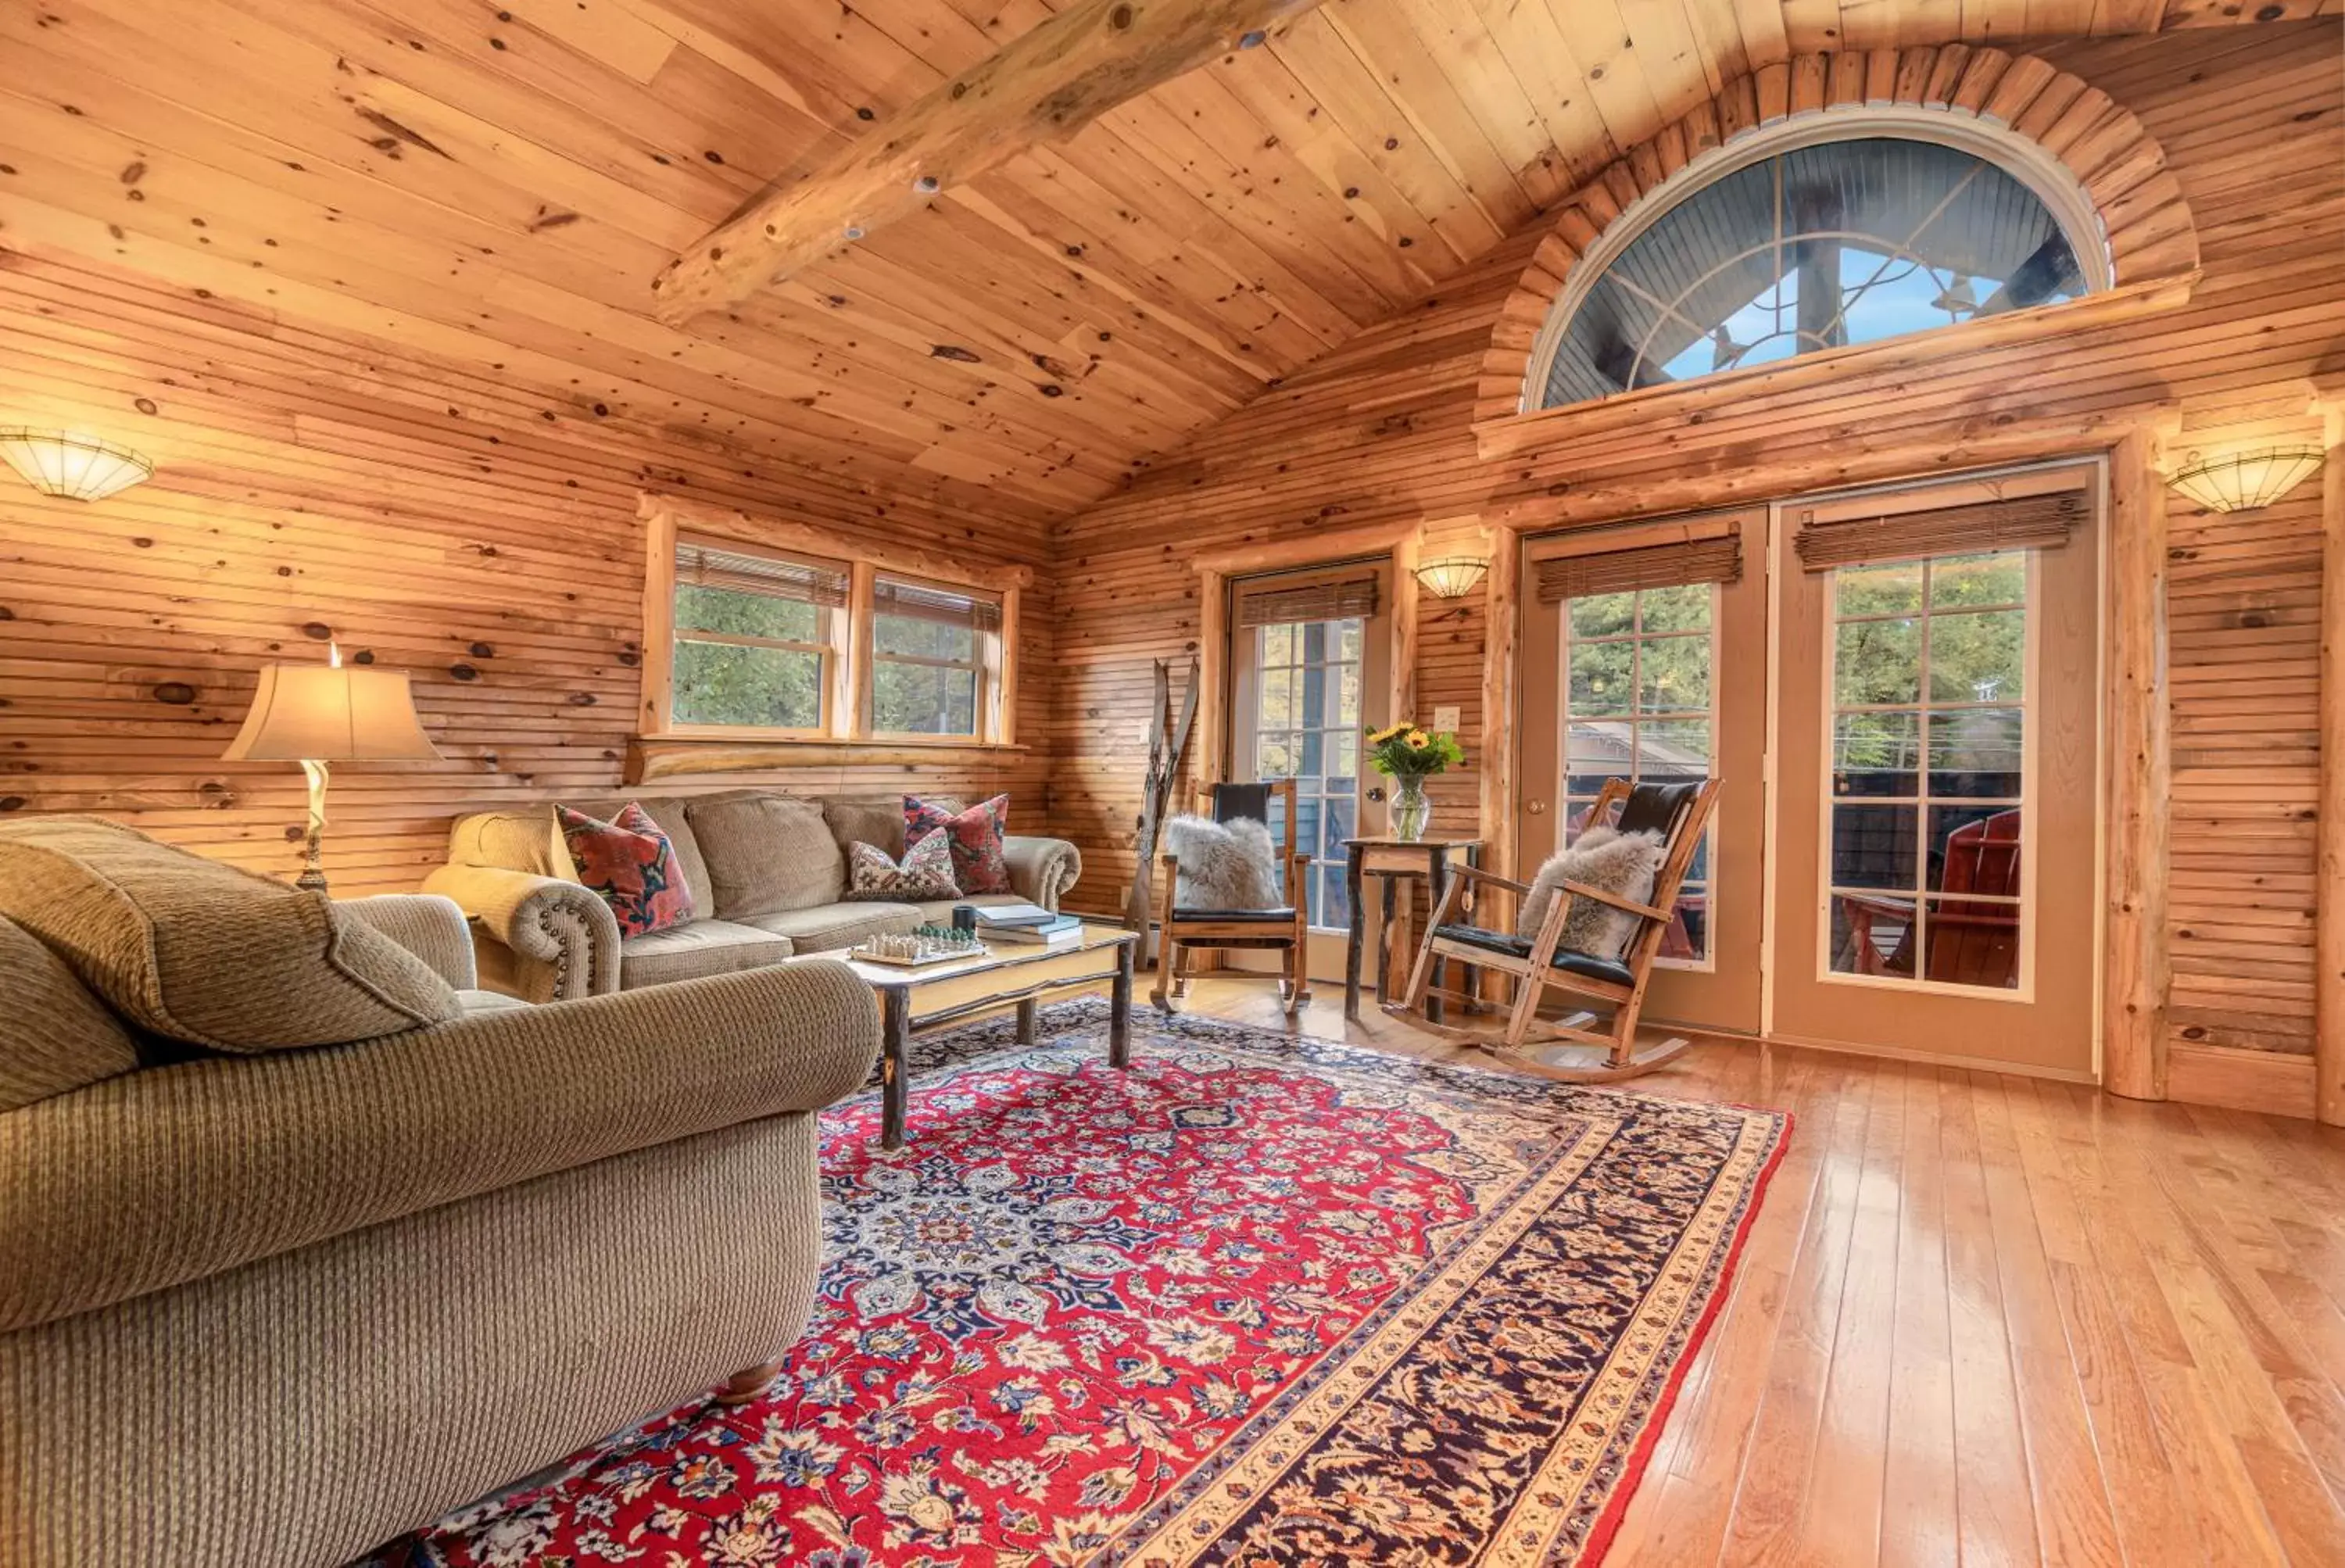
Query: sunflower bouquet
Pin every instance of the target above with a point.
(1410, 754)
(1407, 750)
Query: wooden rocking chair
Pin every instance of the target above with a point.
(1679, 812)
(1287, 929)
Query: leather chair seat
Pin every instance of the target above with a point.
(1586, 965)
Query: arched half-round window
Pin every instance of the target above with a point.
(1831, 235)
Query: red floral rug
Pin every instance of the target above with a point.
(1257, 1300)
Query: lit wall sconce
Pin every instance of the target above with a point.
(80, 467)
(2243, 481)
(1452, 577)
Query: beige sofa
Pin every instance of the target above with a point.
(767, 873)
(266, 1303)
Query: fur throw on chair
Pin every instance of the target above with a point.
(1223, 865)
(1623, 863)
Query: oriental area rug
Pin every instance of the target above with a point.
(1257, 1300)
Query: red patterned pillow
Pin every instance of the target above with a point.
(631, 863)
(976, 838)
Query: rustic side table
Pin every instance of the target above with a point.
(1399, 865)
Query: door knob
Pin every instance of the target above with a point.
(1377, 793)
(1536, 807)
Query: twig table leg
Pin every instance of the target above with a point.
(895, 1064)
(1119, 1007)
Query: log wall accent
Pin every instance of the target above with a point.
(2098, 140)
(430, 516)
(1381, 429)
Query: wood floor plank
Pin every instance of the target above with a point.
(1992, 1321)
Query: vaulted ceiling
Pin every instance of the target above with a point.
(498, 182)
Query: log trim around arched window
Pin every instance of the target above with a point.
(2147, 222)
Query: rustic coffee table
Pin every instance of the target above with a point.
(1012, 974)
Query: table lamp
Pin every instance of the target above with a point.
(318, 715)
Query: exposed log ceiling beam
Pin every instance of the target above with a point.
(1045, 86)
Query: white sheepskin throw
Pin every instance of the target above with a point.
(1623, 863)
(1223, 865)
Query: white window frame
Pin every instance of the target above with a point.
(2048, 179)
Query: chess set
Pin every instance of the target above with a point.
(929, 945)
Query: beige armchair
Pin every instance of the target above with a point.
(274, 1308)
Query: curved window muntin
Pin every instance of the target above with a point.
(2036, 169)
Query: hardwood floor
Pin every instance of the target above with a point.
(1990, 1319)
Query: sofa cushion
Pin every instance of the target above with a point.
(827, 928)
(632, 864)
(203, 953)
(878, 824)
(693, 952)
(767, 853)
(976, 836)
(59, 1036)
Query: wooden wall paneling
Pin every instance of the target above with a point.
(417, 510)
(1383, 427)
(2329, 921)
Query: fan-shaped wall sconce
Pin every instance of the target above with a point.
(1452, 577)
(79, 467)
(2243, 481)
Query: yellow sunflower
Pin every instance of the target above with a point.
(1381, 736)
(1418, 740)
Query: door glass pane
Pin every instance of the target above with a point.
(1928, 769)
(1638, 704)
(1306, 728)
(1876, 663)
(733, 683)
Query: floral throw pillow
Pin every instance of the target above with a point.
(975, 835)
(925, 873)
(631, 863)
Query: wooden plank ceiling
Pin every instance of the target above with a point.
(498, 183)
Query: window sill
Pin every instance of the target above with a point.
(651, 757)
(1748, 391)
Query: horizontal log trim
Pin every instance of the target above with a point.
(672, 756)
(1755, 388)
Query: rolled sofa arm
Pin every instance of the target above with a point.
(1041, 870)
(428, 925)
(563, 938)
(154, 1178)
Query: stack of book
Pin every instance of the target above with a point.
(1029, 923)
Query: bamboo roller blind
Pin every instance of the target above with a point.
(923, 601)
(701, 566)
(1670, 565)
(2027, 523)
(1271, 601)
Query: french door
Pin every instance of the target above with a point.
(1311, 671)
(1645, 636)
(1898, 689)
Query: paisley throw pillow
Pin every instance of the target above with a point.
(632, 864)
(975, 835)
(924, 875)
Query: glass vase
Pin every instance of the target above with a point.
(1411, 812)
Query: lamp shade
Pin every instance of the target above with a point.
(1452, 577)
(2243, 481)
(79, 467)
(330, 713)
